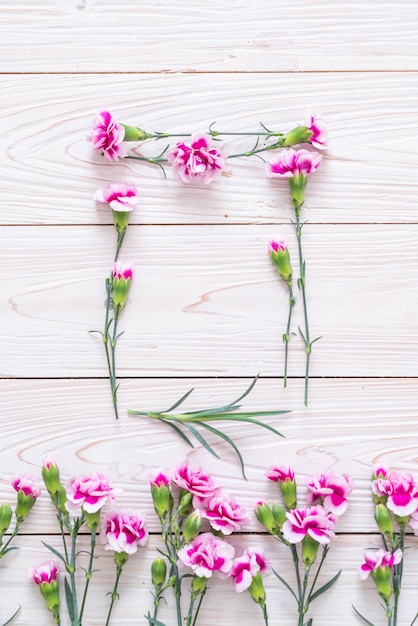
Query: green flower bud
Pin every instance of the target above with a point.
(257, 590)
(162, 500)
(309, 550)
(132, 133)
(121, 282)
(192, 526)
(185, 503)
(51, 477)
(50, 593)
(5, 518)
(279, 514)
(158, 572)
(265, 516)
(384, 520)
(281, 258)
(300, 134)
(24, 506)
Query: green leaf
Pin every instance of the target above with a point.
(246, 417)
(178, 431)
(12, 617)
(182, 399)
(362, 616)
(222, 435)
(153, 620)
(6, 550)
(201, 440)
(286, 584)
(54, 551)
(70, 600)
(309, 623)
(325, 587)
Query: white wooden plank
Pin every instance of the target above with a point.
(208, 302)
(222, 605)
(349, 425)
(188, 36)
(49, 171)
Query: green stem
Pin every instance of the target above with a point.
(72, 564)
(105, 336)
(10, 539)
(299, 584)
(286, 336)
(397, 576)
(202, 595)
(89, 573)
(266, 619)
(301, 284)
(249, 153)
(114, 594)
(324, 554)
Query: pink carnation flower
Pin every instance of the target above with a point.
(27, 484)
(46, 572)
(120, 196)
(378, 558)
(290, 163)
(280, 473)
(316, 125)
(251, 562)
(122, 269)
(107, 135)
(201, 485)
(331, 489)
(224, 514)
(275, 244)
(401, 492)
(207, 554)
(122, 531)
(197, 161)
(158, 477)
(316, 522)
(90, 492)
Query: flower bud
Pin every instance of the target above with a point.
(122, 278)
(192, 526)
(281, 258)
(5, 518)
(158, 571)
(266, 518)
(162, 500)
(46, 576)
(51, 476)
(383, 520)
(24, 506)
(185, 503)
(288, 489)
(257, 590)
(309, 550)
(132, 133)
(279, 514)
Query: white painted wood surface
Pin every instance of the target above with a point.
(206, 309)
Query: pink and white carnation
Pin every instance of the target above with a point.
(197, 161)
(89, 492)
(283, 472)
(159, 477)
(315, 521)
(291, 163)
(332, 490)
(373, 559)
(46, 572)
(316, 125)
(107, 135)
(251, 562)
(201, 485)
(28, 484)
(207, 554)
(120, 196)
(399, 490)
(122, 269)
(224, 514)
(123, 531)
(275, 244)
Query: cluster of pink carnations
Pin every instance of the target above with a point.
(184, 499)
(395, 496)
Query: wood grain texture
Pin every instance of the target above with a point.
(208, 302)
(350, 425)
(186, 36)
(50, 172)
(221, 605)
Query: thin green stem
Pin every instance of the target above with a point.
(266, 619)
(286, 336)
(72, 565)
(89, 574)
(254, 151)
(10, 539)
(397, 576)
(299, 584)
(113, 342)
(202, 595)
(324, 554)
(114, 594)
(301, 284)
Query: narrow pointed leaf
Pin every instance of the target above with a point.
(222, 435)
(182, 399)
(309, 623)
(9, 621)
(201, 439)
(325, 587)
(362, 616)
(54, 551)
(286, 584)
(244, 417)
(69, 599)
(153, 621)
(248, 390)
(179, 432)
(6, 550)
